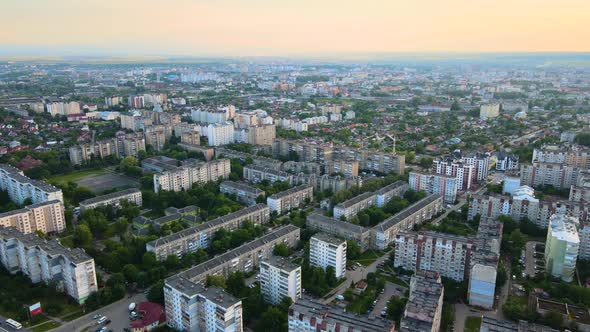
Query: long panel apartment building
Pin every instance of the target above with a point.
(423, 311)
(557, 175)
(574, 156)
(311, 316)
(192, 171)
(337, 228)
(385, 232)
(40, 260)
(289, 199)
(132, 195)
(244, 192)
(193, 238)
(21, 187)
(353, 206)
(46, 217)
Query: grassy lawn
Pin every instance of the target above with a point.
(472, 324)
(71, 316)
(73, 177)
(369, 256)
(45, 326)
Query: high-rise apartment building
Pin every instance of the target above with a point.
(489, 111)
(71, 270)
(325, 250)
(562, 246)
(443, 185)
(21, 187)
(46, 217)
(558, 175)
(279, 278)
(572, 155)
(464, 173)
(191, 172)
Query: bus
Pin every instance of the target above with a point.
(14, 324)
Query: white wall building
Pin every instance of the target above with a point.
(325, 250)
(279, 278)
(20, 187)
(482, 286)
(562, 246)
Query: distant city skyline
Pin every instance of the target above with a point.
(290, 28)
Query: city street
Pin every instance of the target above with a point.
(117, 312)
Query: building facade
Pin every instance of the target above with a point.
(279, 278)
(46, 217)
(132, 195)
(21, 187)
(325, 250)
(243, 192)
(192, 171)
(443, 185)
(557, 175)
(562, 246)
(424, 307)
(289, 199)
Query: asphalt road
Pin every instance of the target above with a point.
(389, 291)
(117, 312)
(529, 263)
(6, 328)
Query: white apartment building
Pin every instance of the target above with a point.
(584, 235)
(385, 194)
(481, 165)
(541, 174)
(183, 178)
(445, 186)
(482, 286)
(40, 260)
(506, 162)
(290, 199)
(20, 187)
(574, 156)
(193, 308)
(465, 174)
(220, 133)
(132, 195)
(279, 278)
(243, 192)
(46, 217)
(562, 246)
(325, 250)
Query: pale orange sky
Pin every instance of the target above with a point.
(297, 27)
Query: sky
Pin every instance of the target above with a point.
(291, 27)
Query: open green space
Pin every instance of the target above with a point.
(369, 256)
(76, 176)
(472, 324)
(45, 326)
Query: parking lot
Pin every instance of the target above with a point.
(533, 260)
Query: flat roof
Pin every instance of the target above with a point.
(290, 191)
(242, 186)
(391, 221)
(329, 239)
(392, 186)
(346, 226)
(282, 263)
(355, 200)
(110, 196)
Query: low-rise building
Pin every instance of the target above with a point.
(279, 278)
(243, 192)
(46, 217)
(325, 251)
(311, 316)
(193, 238)
(384, 233)
(353, 206)
(424, 308)
(132, 195)
(289, 199)
(71, 270)
(337, 228)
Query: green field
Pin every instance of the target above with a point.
(369, 256)
(472, 324)
(45, 326)
(76, 176)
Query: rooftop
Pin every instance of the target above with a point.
(290, 191)
(355, 200)
(281, 263)
(242, 186)
(392, 186)
(410, 210)
(352, 228)
(110, 196)
(329, 239)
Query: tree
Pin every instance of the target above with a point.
(426, 162)
(273, 320)
(218, 281)
(553, 319)
(282, 250)
(149, 260)
(130, 272)
(82, 236)
(395, 308)
(353, 250)
(156, 293)
(331, 276)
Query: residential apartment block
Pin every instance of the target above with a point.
(264, 162)
(523, 204)
(46, 217)
(193, 238)
(482, 286)
(21, 187)
(192, 171)
(385, 194)
(218, 134)
(132, 195)
(443, 185)
(446, 254)
(562, 246)
(289, 199)
(347, 167)
(122, 145)
(72, 270)
(311, 316)
(279, 278)
(464, 173)
(243, 192)
(538, 174)
(584, 235)
(256, 174)
(353, 206)
(191, 307)
(385, 232)
(580, 191)
(488, 111)
(340, 229)
(424, 307)
(506, 162)
(326, 250)
(256, 135)
(571, 155)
